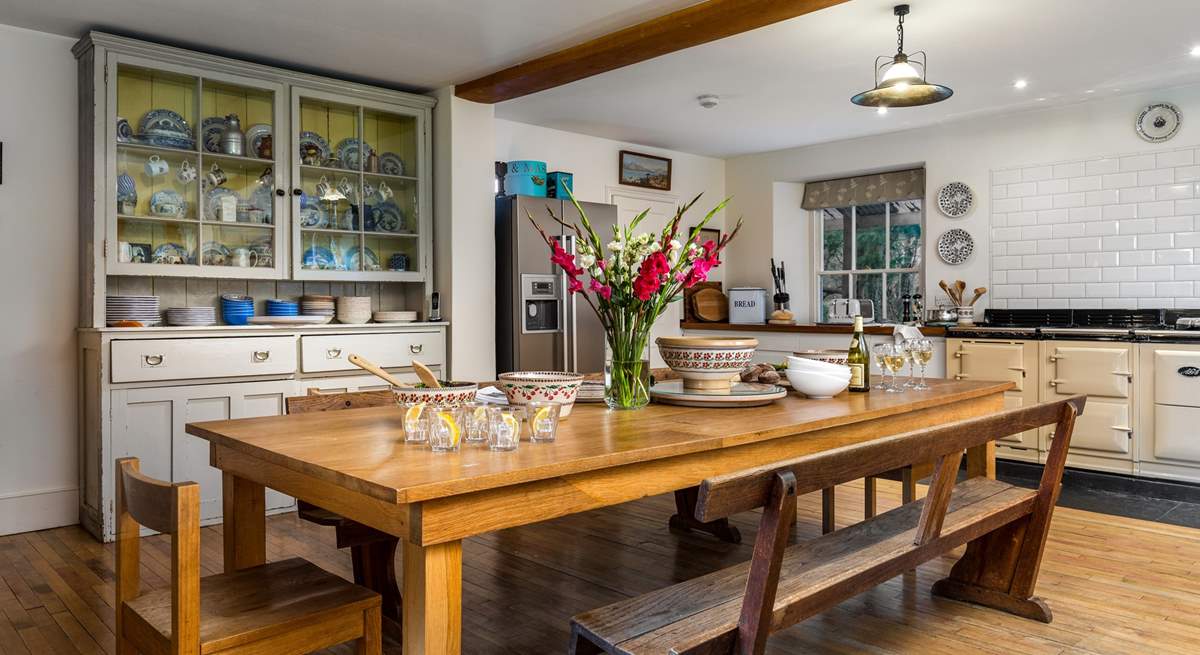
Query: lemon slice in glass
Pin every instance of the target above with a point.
(511, 422)
(414, 412)
(447, 420)
(541, 415)
(480, 414)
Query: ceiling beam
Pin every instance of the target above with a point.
(692, 26)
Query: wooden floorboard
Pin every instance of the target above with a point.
(1116, 585)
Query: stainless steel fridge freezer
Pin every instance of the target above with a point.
(539, 325)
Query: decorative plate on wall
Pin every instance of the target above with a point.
(1159, 122)
(955, 246)
(955, 199)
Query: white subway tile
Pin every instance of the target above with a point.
(1068, 200)
(1006, 290)
(1101, 166)
(1102, 197)
(999, 248)
(1067, 230)
(1100, 228)
(1037, 291)
(1006, 205)
(1034, 203)
(999, 277)
(1155, 241)
(999, 191)
(999, 220)
(1068, 290)
(1187, 240)
(1022, 304)
(1051, 216)
(1159, 176)
(1052, 275)
(1160, 208)
(1022, 189)
(1155, 303)
(1118, 212)
(1173, 257)
(1053, 303)
(1084, 275)
(1173, 158)
(1119, 180)
(1136, 163)
(1155, 273)
(1022, 247)
(1035, 261)
(1173, 289)
(1085, 303)
(1006, 177)
(1068, 260)
(1084, 214)
(1016, 219)
(1137, 289)
(1100, 259)
(1120, 303)
(1036, 232)
(1022, 276)
(1136, 194)
(1187, 303)
(1189, 272)
(999, 303)
(1006, 233)
(1090, 183)
(1102, 289)
(1136, 225)
(1116, 274)
(1174, 191)
(1006, 262)
(1136, 257)
(1085, 244)
(1070, 169)
(1036, 173)
(1188, 206)
(1119, 243)
(1187, 173)
(1174, 224)
(1047, 187)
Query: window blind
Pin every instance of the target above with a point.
(865, 189)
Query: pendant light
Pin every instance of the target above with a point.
(900, 79)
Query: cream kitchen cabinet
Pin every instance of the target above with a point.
(1013, 361)
(1169, 410)
(1105, 436)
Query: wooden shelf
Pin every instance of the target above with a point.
(160, 219)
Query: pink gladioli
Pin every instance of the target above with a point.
(602, 290)
(574, 285)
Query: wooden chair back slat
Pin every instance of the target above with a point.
(741, 491)
(150, 502)
(324, 402)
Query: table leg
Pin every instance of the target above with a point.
(432, 599)
(245, 507)
(684, 519)
(981, 460)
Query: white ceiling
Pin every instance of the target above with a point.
(412, 44)
(790, 84)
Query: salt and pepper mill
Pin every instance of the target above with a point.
(918, 309)
(233, 140)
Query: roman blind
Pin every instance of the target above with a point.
(865, 189)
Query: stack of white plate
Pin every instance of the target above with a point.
(191, 316)
(590, 391)
(317, 306)
(353, 309)
(142, 309)
(394, 317)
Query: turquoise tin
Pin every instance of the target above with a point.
(558, 183)
(526, 178)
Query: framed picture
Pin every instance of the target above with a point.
(646, 171)
(709, 234)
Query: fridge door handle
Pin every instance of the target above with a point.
(573, 364)
(568, 246)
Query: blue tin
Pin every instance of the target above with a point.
(558, 183)
(526, 178)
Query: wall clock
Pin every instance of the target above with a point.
(955, 199)
(1158, 122)
(955, 246)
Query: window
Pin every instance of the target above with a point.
(872, 252)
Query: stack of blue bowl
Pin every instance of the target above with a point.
(282, 307)
(236, 309)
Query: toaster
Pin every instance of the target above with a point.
(843, 310)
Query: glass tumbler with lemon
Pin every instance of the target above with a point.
(543, 420)
(504, 427)
(416, 423)
(474, 422)
(445, 428)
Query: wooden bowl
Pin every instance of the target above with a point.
(707, 362)
(523, 387)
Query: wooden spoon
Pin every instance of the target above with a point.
(979, 291)
(960, 287)
(427, 376)
(372, 368)
(945, 287)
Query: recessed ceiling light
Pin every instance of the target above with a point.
(881, 111)
(1041, 99)
(1090, 91)
(1020, 84)
(1196, 51)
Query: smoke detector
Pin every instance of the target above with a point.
(708, 100)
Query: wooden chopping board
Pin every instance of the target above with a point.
(711, 305)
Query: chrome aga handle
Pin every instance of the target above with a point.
(416, 348)
(262, 355)
(333, 353)
(153, 360)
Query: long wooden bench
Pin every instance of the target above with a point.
(734, 610)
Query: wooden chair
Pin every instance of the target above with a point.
(372, 553)
(735, 610)
(283, 607)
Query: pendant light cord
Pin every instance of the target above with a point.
(900, 33)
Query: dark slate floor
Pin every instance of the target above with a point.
(1140, 498)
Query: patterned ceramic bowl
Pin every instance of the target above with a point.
(521, 387)
(707, 362)
(833, 356)
(451, 393)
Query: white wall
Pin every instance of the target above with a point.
(38, 262)
(965, 151)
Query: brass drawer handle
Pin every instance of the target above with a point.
(153, 360)
(262, 355)
(961, 376)
(333, 353)
(416, 348)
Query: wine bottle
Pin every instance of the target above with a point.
(859, 359)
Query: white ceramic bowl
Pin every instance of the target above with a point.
(707, 362)
(523, 387)
(815, 385)
(451, 393)
(829, 356)
(802, 364)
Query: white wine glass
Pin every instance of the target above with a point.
(879, 351)
(902, 349)
(922, 353)
(894, 359)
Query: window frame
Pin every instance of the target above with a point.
(818, 252)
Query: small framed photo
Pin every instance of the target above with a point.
(646, 171)
(708, 234)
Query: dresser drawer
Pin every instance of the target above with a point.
(329, 352)
(149, 360)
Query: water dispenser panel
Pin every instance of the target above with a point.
(540, 302)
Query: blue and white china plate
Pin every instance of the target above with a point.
(386, 216)
(168, 250)
(317, 140)
(312, 215)
(212, 201)
(163, 122)
(350, 153)
(165, 141)
(391, 164)
(167, 202)
(254, 137)
(352, 257)
(318, 257)
(214, 253)
(210, 133)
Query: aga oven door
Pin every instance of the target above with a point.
(1000, 361)
(1104, 371)
(1101, 369)
(1170, 408)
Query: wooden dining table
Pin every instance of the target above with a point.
(356, 463)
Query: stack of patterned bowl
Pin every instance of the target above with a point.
(132, 311)
(282, 307)
(191, 316)
(316, 305)
(236, 309)
(353, 309)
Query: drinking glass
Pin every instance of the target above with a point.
(416, 423)
(543, 420)
(922, 353)
(504, 428)
(474, 422)
(879, 351)
(445, 428)
(902, 349)
(893, 359)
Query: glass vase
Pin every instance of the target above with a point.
(627, 374)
